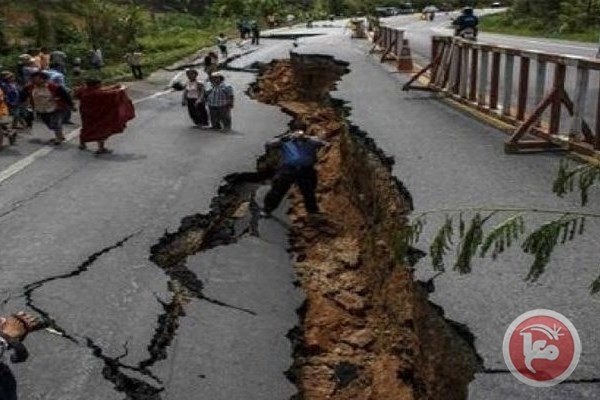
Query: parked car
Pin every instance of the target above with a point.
(385, 11)
(406, 8)
(496, 4)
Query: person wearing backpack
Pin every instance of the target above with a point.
(297, 167)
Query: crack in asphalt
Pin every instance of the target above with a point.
(211, 230)
(135, 389)
(29, 289)
(18, 204)
(189, 280)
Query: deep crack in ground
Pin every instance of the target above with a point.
(367, 328)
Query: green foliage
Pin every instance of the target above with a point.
(501, 237)
(116, 27)
(475, 240)
(575, 20)
(42, 29)
(580, 177)
(407, 237)
(442, 243)
(471, 239)
(542, 242)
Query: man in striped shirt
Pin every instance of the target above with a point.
(220, 102)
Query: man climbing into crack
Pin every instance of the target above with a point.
(297, 166)
(13, 331)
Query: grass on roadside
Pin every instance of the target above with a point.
(504, 23)
(165, 48)
(164, 38)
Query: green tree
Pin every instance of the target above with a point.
(44, 32)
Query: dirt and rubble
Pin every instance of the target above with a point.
(367, 328)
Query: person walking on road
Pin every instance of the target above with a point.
(6, 122)
(104, 111)
(12, 97)
(29, 68)
(222, 44)
(58, 58)
(50, 102)
(36, 57)
(255, 33)
(194, 95)
(297, 167)
(96, 58)
(59, 79)
(134, 60)
(211, 63)
(44, 58)
(77, 70)
(219, 100)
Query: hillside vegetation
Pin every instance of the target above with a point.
(78, 25)
(572, 20)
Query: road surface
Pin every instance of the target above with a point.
(65, 207)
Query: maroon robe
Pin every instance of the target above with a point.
(104, 112)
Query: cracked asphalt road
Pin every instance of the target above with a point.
(76, 237)
(69, 206)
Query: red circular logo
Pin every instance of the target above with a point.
(541, 348)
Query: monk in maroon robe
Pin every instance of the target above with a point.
(104, 111)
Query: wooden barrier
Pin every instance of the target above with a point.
(389, 42)
(496, 80)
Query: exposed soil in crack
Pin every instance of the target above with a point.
(368, 330)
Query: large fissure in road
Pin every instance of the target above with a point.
(367, 328)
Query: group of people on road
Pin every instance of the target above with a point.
(209, 103)
(39, 88)
(249, 29)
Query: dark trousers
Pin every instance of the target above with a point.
(8, 384)
(255, 38)
(303, 177)
(197, 112)
(220, 117)
(136, 70)
(67, 116)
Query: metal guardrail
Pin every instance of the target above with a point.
(389, 41)
(538, 93)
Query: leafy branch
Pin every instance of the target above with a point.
(580, 177)
(475, 239)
